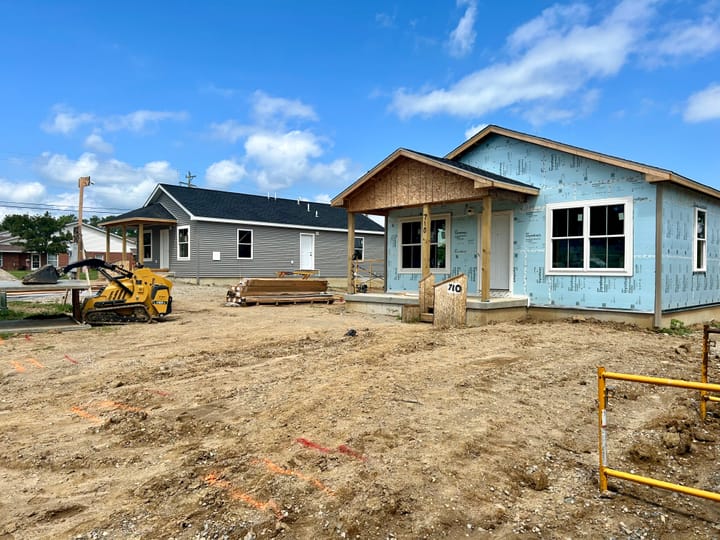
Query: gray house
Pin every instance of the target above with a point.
(208, 234)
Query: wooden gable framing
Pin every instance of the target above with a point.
(410, 179)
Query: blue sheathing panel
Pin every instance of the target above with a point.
(681, 287)
(561, 178)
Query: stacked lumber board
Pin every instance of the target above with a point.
(280, 290)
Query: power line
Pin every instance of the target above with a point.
(59, 208)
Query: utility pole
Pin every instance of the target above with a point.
(189, 177)
(83, 182)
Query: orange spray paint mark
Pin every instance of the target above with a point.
(34, 362)
(117, 405)
(84, 414)
(70, 359)
(314, 446)
(212, 479)
(27, 337)
(159, 392)
(2, 341)
(277, 469)
(350, 452)
(18, 367)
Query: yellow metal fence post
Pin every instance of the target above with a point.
(602, 428)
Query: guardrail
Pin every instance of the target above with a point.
(367, 275)
(704, 397)
(605, 471)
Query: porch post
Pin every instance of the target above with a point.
(350, 252)
(425, 243)
(485, 262)
(124, 243)
(107, 244)
(140, 244)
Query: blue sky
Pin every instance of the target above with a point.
(299, 99)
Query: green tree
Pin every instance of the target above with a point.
(39, 234)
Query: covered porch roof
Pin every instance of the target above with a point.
(410, 179)
(152, 214)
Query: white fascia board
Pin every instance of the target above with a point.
(281, 225)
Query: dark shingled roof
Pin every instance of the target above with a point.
(151, 211)
(212, 204)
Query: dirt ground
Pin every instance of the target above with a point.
(310, 422)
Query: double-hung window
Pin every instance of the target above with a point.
(147, 245)
(183, 243)
(245, 244)
(590, 237)
(700, 241)
(359, 251)
(411, 241)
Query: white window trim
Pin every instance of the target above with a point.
(177, 243)
(252, 244)
(362, 249)
(52, 258)
(697, 268)
(1, 260)
(146, 244)
(433, 217)
(586, 270)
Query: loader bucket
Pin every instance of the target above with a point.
(45, 275)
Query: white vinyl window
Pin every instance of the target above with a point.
(411, 239)
(700, 241)
(52, 258)
(147, 245)
(183, 243)
(245, 244)
(359, 253)
(1, 260)
(590, 237)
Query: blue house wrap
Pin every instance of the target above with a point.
(570, 228)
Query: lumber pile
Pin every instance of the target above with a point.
(279, 290)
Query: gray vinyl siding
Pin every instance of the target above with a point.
(274, 249)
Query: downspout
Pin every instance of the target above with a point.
(657, 318)
(385, 255)
(197, 256)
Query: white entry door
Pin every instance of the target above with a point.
(164, 248)
(500, 251)
(307, 252)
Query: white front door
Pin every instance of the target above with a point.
(164, 248)
(307, 250)
(500, 251)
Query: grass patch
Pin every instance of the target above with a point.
(34, 310)
(677, 328)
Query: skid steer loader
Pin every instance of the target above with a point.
(129, 296)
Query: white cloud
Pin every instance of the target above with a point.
(139, 120)
(703, 105)
(65, 120)
(225, 172)
(462, 38)
(116, 184)
(230, 130)
(21, 191)
(683, 40)
(472, 130)
(267, 108)
(323, 198)
(385, 20)
(555, 56)
(96, 143)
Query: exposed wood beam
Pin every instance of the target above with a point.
(425, 243)
(350, 251)
(486, 247)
